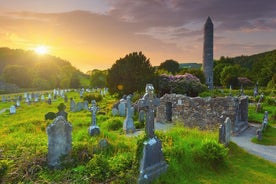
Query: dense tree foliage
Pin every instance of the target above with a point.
(98, 78)
(258, 68)
(29, 70)
(130, 74)
(170, 66)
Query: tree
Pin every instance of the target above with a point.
(130, 74)
(98, 78)
(75, 80)
(18, 75)
(229, 75)
(170, 65)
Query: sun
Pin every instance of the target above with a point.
(41, 49)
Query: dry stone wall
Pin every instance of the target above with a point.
(205, 113)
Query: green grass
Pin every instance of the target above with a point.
(23, 146)
(269, 137)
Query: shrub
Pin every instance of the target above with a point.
(180, 84)
(3, 168)
(212, 152)
(99, 168)
(93, 96)
(114, 123)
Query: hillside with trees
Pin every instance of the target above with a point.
(26, 69)
(259, 68)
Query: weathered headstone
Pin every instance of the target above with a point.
(122, 107)
(128, 125)
(260, 130)
(12, 109)
(152, 163)
(3, 98)
(42, 98)
(59, 140)
(115, 111)
(79, 106)
(141, 116)
(17, 103)
(93, 129)
(72, 105)
(225, 132)
(85, 105)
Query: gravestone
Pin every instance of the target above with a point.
(152, 163)
(256, 90)
(79, 106)
(141, 116)
(122, 107)
(12, 109)
(17, 103)
(72, 105)
(42, 98)
(93, 129)
(59, 140)
(225, 132)
(128, 125)
(49, 101)
(85, 105)
(115, 111)
(61, 111)
(3, 98)
(260, 130)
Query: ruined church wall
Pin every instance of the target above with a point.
(204, 113)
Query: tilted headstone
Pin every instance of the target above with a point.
(59, 140)
(115, 111)
(260, 130)
(152, 163)
(12, 109)
(128, 125)
(93, 129)
(225, 132)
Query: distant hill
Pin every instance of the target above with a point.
(26, 69)
(258, 67)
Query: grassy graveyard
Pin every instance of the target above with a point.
(193, 156)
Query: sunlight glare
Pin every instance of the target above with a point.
(41, 50)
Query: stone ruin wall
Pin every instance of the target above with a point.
(204, 113)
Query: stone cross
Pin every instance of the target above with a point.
(93, 129)
(148, 104)
(128, 126)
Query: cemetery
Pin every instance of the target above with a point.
(135, 123)
(92, 145)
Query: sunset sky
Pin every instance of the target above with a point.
(93, 34)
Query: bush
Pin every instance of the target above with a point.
(114, 123)
(180, 84)
(99, 168)
(212, 152)
(93, 96)
(3, 168)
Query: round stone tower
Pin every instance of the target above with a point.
(208, 61)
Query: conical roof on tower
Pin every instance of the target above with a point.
(209, 21)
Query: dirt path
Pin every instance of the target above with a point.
(244, 140)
